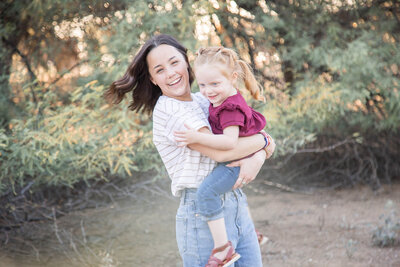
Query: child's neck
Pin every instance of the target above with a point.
(232, 93)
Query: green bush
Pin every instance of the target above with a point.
(82, 141)
(332, 71)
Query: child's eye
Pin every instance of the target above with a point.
(201, 85)
(214, 84)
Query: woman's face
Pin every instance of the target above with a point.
(168, 69)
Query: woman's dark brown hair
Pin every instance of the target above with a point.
(137, 77)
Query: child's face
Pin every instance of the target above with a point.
(214, 84)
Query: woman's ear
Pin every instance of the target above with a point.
(152, 81)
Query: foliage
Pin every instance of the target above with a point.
(78, 136)
(44, 34)
(343, 60)
(132, 27)
(388, 233)
(330, 71)
(66, 144)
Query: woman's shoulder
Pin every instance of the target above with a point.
(201, 99)
(167, 105)
(175, 108)
(202, 102)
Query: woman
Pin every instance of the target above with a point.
(159, 78)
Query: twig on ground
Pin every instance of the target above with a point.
(56, 227)
(283, 187)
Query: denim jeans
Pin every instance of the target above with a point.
(194, 239)
(218, 182)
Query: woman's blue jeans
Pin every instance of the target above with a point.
(194, 239)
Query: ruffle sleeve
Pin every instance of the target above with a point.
(231, 114)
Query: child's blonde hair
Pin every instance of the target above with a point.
(230, 63)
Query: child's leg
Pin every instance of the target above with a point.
(218, 232)
(220, 181)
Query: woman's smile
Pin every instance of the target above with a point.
(174, 82)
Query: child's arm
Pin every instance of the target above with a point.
(226, 141)
(246, 146)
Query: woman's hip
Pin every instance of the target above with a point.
(192, 233)
(233, 200)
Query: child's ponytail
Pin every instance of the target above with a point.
(250, 81)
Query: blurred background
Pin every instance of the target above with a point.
(330, 71)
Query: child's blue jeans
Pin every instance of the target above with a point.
(218, 182)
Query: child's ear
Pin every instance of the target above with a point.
(235, 76)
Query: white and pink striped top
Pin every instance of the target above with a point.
(187, 168)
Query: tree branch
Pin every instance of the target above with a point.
(28, 66)
(65, 72)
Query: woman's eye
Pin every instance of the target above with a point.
(174, 62)
(159, 70)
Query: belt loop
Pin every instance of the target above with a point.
(183, 197)
(238, 192)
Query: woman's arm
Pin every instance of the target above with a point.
(245, 146)
(227, 140)
(249, 166)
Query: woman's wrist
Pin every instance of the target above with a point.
(269, 146)
(267, 139)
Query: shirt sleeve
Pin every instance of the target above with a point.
(231, 118)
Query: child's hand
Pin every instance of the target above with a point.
(187, 137)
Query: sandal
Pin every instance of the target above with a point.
(230, 257)
(261, 238)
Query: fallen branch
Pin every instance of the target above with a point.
(280, 186)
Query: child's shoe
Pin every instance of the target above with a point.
(230, 257)
(261, 238)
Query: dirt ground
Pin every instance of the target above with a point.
(318, 228)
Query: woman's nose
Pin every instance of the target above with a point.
(170, 72)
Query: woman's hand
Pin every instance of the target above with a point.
(249, 168)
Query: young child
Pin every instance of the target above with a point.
(219, 73)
